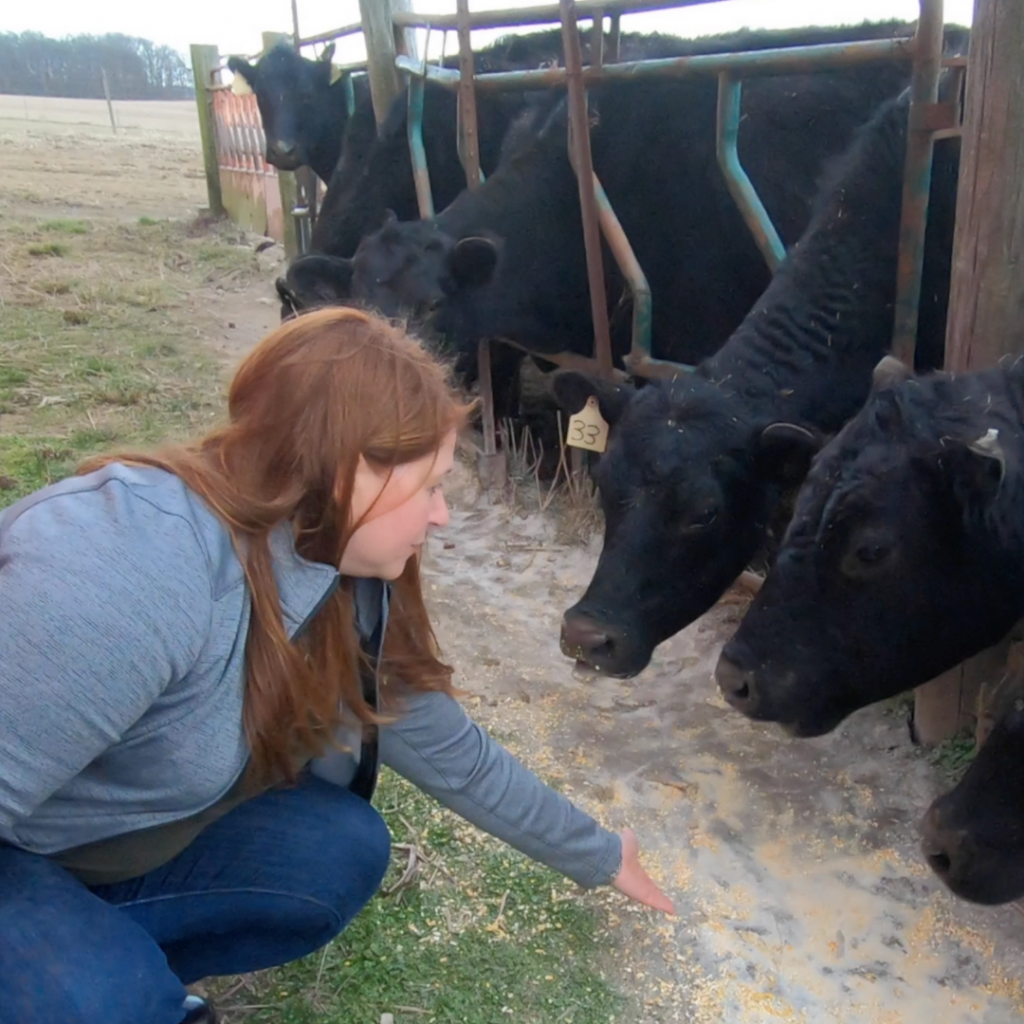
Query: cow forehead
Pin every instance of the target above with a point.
(852, 483)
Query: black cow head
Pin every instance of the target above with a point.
(891, 570)
(415, 269)
(973, 836)
(313, 281)
(296, 107)
(686, 485)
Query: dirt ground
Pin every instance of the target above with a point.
(794, 864)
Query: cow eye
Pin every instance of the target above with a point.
(871, 554)
(700, 522)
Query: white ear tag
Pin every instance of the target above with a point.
(587, 428)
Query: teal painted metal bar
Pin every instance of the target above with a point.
(350, 93)
(917, 178)
(417, 151)
(777, 61)
(730, 94)
(632, 271)
(581, 159)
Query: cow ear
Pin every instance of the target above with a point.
(243, 70)
(889, 373)
(785, 450)
(328, 55)
(976, 470)
(319, 280)
(572, 388)
(472, 261)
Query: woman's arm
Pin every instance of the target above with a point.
(104, 601)
(436, 746)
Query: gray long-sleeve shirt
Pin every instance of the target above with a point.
(123, 617)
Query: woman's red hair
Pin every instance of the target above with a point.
(317, 393)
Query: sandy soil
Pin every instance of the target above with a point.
(793, 863)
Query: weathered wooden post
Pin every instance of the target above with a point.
(381, 49)
(110, 105)
(204, 61)
(986, 303)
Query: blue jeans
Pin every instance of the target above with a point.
(271, 881)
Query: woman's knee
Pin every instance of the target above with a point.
(353, 855)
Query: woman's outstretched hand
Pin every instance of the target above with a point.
(634, 882)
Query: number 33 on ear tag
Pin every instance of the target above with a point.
(588, 429)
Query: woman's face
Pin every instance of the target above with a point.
(399, 513)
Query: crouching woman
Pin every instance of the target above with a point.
(205, 652)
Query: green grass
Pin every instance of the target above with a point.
(482, 935)
(953, 756)
(49, 249)
(104, 354)
(68, 227)
(148, 222)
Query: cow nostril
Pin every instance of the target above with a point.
(585, 641)
(940, 863)
(736, 684)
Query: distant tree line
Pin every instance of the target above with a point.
(33, 65)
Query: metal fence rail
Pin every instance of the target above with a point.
(928, 119)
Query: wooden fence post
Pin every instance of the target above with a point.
(986, 302)
(204, 60)
(379, 33)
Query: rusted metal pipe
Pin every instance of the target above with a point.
(617, 241)
(917, 178)
(491, 463)
(597, 40)
(335, 33)
(747, 64)
(547, 14)
(615, 39)
(486, 396)
(583, 163)
(468, 137)
(730, 93)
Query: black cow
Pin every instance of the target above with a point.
(699, 468)
(905, 554)
(507, 260)
(973, 836)
(374, 176)
(304, 114)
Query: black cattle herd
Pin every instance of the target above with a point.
(886, 501)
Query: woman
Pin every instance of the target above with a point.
(203, 653)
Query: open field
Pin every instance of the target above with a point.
(794, 864)
(58, 116)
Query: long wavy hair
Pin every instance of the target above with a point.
(317, 393)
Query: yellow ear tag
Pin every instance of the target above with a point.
(587, 428)
(239, 86)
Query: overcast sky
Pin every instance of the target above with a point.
(235, 25)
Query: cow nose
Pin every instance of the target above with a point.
(582, 638)
(738, 686)
(282, 148)
(938, 844)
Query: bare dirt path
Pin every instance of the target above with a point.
(793, 864)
